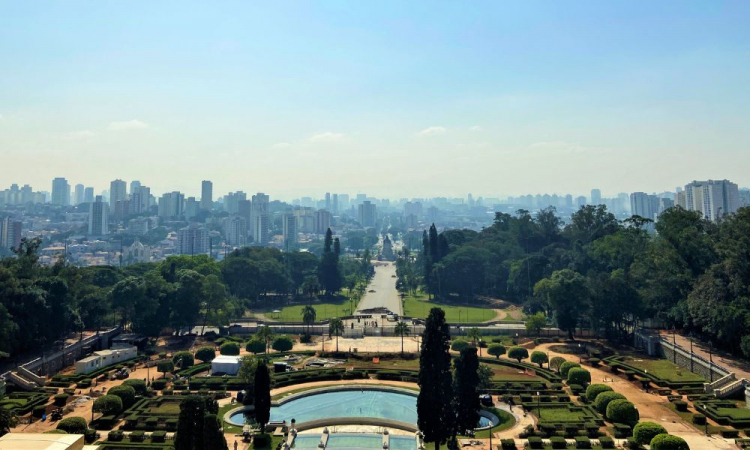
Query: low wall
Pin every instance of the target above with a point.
(656, 345)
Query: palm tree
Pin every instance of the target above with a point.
(308, 316)
(401, 329)
(266, 334)
(474, 335)
(336, 328)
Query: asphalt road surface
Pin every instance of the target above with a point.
(385, 295)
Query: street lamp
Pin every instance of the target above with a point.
(539, 404)
(710, 361)
(580, 357)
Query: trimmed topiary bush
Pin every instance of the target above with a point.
(539, 358)
(61, 399)
(496, 350)
(518, 353)
(73, 425)
(699, 419)
(508, 444)
(205, 354)
(680, 405)
(558, 442)
(622, 411)
(582, 442)
(39, 410)
(282, 344)
(602, 400)
(126, 394)
(576, 375)
(253, 346)
(230, 348)
(109, 405)
(565, 368)
(138, 385)
(165, 366)
(668, 442)
(458, 344)
(606, 442)
(183, 360)
(159, 384)
(645, 431)
(595, 389)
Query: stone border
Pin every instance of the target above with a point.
(494, 420)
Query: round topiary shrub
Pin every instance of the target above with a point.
(681, 405)
(595, 389)
(539, 358)
(622, 411)
(126, 394)
(565, 368)
(282, 344)
(602, 401)
(645, 431)
(229, 348)
(496, 350)
(576, 375)
(61, 399)
(668, 442)
(138, 385)
(73, 425)
(518, 353)
(205, 354)
(253, 346)
(459, 344)
(699, 419)
(109, 405)
(183, 360)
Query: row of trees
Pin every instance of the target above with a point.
(597, 271)
(40, 304)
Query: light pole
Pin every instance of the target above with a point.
(580, 357)
(710, 362)
(539, 404)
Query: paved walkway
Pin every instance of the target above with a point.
(386, 294)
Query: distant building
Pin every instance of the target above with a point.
(596, 197)
(259, 218)
(235, 230)
(191, 208)
(289, 230)
(88, 195)
(78, 195)
(644, 205)
(171, 204)
(192, 241)
(367, 214)
(207, 195)
(139, 226)
(10, 233)
(712, 198)
(140, 199)
(136, 253)
(387, 252)
(322, 221)
(98, 217)
(104, 358)
(118, 192)
(60, 192)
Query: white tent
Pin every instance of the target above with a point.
(225, 364)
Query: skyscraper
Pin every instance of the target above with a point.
(712, 198)
(98, 217)
(644, 205)
(88, 195)
(289, 226)
(192, 241)
(207, 195)
(328, 201)
(135, 184)
(10, 233)
(171, 204)
(367, 214)
(78, 196)
(259, 218)
(235, 230)
(322, 221)
(60, 192)
(596, 197)
(117, 191)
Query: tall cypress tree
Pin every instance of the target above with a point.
(427, 261)
(435, 416)
(328, 269)
(212, 435)
(262, 392)
(190, 424)
(465, 389)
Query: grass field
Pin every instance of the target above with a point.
(559, 414)
(665, 370)
(418, 307)
(324, 310)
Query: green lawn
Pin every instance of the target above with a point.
(559, 414)
(418, 307)
(666, 370)
(324, 310)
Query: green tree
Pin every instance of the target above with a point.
(109, 405)
(73, 425)
(668, 442)
(556, 362)
(644, 432)
(262, 396)
(540, 358)
(434, 416)
(496, 350)
(283, 344)
(466, 397)
(8, 420)
(165, 366)
(328, 270)
(126, 394)
(265, 334)
(308, 316)
(567, 293)
(579, 376)
(518, 353)
(230, 348)
(183, 360)
(401, 329)
(535, 323)
(621, 411)
(205, 354)
(190, 424)
(475, 335)
(255, 345)
(213, 437)
(246, 372)
(336, 328)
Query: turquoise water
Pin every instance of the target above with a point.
(403, 443)
(327, 405)
(352, 441)
(307, 441)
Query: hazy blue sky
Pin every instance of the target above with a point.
(389, 98)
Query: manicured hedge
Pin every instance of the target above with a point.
(668, 442)
(459, 344)
(205, 354)
(622, 411)
(73, 425)
(183, 360)
(108, 405)
(602, 401)
(565, 368)
(126, 394)
(644, 432)
(230, 348)
(595, 389)
(579, 376)
(139, 385)
(282, 344)
(61, 399)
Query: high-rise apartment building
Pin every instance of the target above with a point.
(60, 192)
(98, 217)
(171, 204)
(207, 195)
(328, 201)
(644, 205)
(596, 197)
(192, 241)
(260, 218)
(335, 204)
(10, 233)
(366, 214)
(289, 230)
(118, 191)
(322, 221)
(78, 195)
(191, 208)
(232, 201)
(712, 198)
(235, 231)
(88, 195)
(135, 184)
(140, 199)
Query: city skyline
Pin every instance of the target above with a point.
(389, 99)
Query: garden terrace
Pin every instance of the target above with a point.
(725, 412)
(23, 402)
(63, 381)
(548, 375)
(660, 371)
(158, 413)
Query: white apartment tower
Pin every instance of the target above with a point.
(712, 198)
(98, 217)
